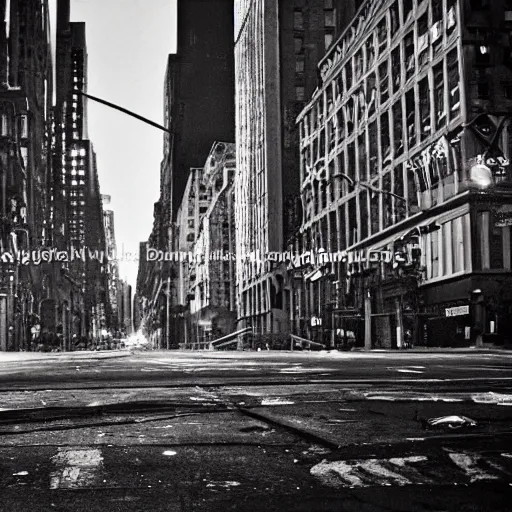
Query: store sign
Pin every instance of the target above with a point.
(499, 161)
(457, 311)
(316, 321)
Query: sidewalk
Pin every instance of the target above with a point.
(7, 357)
(441, 350)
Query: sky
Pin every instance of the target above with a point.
(128, 42)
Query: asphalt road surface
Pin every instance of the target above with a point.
(183, 431)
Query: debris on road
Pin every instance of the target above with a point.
(451, 422)
(276, 401)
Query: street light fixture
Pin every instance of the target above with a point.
(480, 176)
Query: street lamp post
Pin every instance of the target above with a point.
(366, 290)
(167, 314)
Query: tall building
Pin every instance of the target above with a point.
(112, 265)
(127, 308)
(405, 178)
(77, 212)
(136, 313)
(211, 271)
(202, 104)
(198, 109)
(190, 214)
(277, 47)
(26, 96)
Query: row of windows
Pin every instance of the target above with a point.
(5, 127)
(448, 250)
(414, 51)
(494, 247)
(78, 152)
(425, 107)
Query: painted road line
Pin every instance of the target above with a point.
(370, 472)
(477, 467)
(76, 468)
(406, 369)
(413, 470)
(276, 401)
(492, 398)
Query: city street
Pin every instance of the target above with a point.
(186, 431)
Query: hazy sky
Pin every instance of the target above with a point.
(128, 42)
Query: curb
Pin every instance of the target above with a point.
(64, 356)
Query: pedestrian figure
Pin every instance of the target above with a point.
(408, 339)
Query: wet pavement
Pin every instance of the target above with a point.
(305, 432)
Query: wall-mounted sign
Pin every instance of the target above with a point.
(491, 161)
(457, 311)
(316, 321)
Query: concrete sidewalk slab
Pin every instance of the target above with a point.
(7, 357)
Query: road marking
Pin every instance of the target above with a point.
(492, 398)
(411, 470)
(276, 401)
(75, 468)
(398, 396)
(226, 484)
(406, 369)
(369, 472)
(474, 465)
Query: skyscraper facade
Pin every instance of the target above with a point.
(26, 96)
(405, 175)
(198, 110)
(202, 103)
(277, 47)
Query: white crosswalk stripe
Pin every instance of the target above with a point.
(469, 467)
(477, 467)
(76, 467)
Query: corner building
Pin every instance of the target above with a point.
(405, 177)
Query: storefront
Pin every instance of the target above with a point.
(472, 311)
(445, 325)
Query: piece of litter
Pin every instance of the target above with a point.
(169, 452)
(453, 421)
(21, 473)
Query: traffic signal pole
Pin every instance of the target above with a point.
(125, 111)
